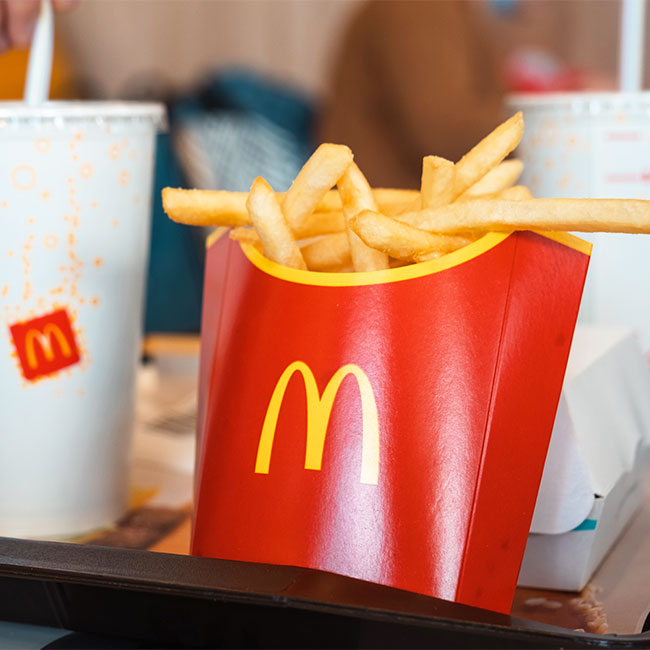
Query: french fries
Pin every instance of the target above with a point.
(277, 240)
(488, 153)
(356, 227)
(326, 165)
(515, 193)
(246, 235)
(438, 181)
(497, 179)
(356, 196)
(329, 253)
(206, 207)
(399, 240)
(222, 208)
(580, 215)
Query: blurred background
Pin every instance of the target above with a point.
(252, 86)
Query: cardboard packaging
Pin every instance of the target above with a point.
(592, 481)
(390, 426)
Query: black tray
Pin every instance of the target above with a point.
(186, 601)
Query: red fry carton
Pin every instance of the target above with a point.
(391, 426)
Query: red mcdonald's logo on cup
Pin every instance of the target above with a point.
(45, 344)
(319, 408)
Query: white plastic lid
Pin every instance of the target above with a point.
(581, 102)
(63, 113)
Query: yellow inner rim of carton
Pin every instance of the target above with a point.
(480, 246)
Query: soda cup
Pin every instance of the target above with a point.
(596, 145)
(75, 194)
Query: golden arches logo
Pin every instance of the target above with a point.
(45, 338)
(319, 408)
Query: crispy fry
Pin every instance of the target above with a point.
(580, 215)
(488, 153)
(271, 225)
(392, 205)
(365, 258)
(318, 175)
(515, 193)
(206, 207)
(321, 223)
(329, 253)
(437, 186)
(427, 256)
(356, 196)
(398, 239)
(497, 179)
(245, 235)
(390, 200)
(221, 208)
(418, 217)
(395, 263)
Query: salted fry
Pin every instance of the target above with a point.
(277, 239)
(321, 223)
(437, 187)
(579, 215)
(398, 239)
(488, 153)
(319, 174)
(390, 200)
(427, 256)
(222, 208)
(329, 253)
(395, 263)
(206, 207)
(318, 223)
(245, 235)
(356, 196)
(515, 193)
(501, 177)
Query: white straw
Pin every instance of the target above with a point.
(39, 70)
(630, 72)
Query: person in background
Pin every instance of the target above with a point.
(18, 20)
(419, 78)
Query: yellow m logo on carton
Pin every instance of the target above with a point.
(318, 415)
(45, 339)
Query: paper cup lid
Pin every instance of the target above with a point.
(580, 102)
(65, 113)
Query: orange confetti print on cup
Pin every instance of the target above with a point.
(50, 241)
(23, 177)
(42, 145)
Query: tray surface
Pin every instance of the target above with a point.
(136, 580)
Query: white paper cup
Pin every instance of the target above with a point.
(75, 194)
(596, 145)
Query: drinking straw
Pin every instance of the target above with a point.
(630, 72)
(39, 69)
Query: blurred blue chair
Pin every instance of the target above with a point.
(234, 127)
